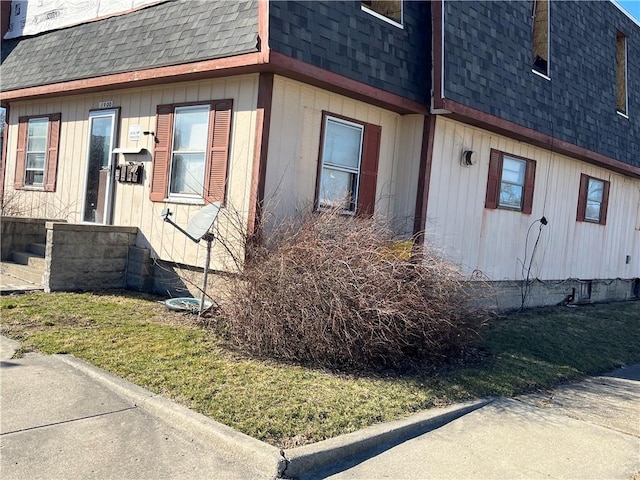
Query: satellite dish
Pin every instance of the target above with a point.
(202, 221)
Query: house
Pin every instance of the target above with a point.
(502, 132)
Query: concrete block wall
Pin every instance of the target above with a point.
(87, 257)
(139, 269)
(16, 233)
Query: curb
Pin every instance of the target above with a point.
(373, 440)
(235, 444)
(300, 461)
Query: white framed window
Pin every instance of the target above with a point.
(593, 200)
(512, 183)
(348, 165)
(595, 191)
(189, 150)
(36, 151)
(340, 171)
(390, 11)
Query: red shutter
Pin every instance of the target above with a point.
(605, 203)
(218, 158)
(51, 164)
(162, 153)
(369, 170)
(529, 185)
(493, 179)
(582, 197)
(23, 125)
(3, 160)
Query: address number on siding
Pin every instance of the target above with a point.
(108, 104)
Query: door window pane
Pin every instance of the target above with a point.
(101, 140)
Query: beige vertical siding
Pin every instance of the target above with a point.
(493, 241)
(132, 206)
(294, 144)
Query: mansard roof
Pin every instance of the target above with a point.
(165, 34)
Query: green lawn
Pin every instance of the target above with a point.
(137, 338)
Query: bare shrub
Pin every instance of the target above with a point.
(11, 206)
(337, 291)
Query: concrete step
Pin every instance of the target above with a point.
(38, 248)
(30, 259)
(22, 272)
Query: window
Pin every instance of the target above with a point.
(510, 183)
(585, 290)
(37, 153)
(192, 151)
(190, 130)
(621, 74)
(385, 9)
(348, 165)
(593, 199)
(540, 52)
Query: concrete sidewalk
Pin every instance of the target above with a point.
(587, 430)
(63, 418)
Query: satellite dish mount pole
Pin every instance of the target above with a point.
(197, 230)
(209, 238)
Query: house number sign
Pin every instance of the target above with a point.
(108, 104)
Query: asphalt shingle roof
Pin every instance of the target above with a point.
(170, 33)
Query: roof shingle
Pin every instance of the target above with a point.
(170, 33)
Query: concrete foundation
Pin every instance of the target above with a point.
(98, 257)
(511, 295)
